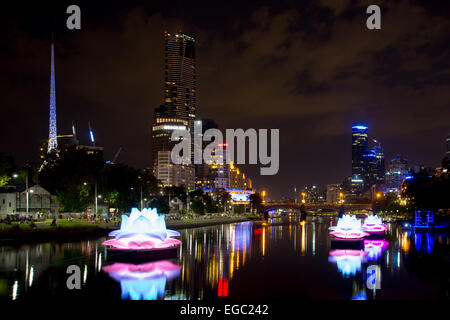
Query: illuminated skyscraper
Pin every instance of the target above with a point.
(180, 76)
(398, 170)
(380, 163)
(178, 111)
(359, 149)
(52, 138)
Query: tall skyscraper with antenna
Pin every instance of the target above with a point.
(52, 137)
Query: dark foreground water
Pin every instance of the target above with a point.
(239, 261)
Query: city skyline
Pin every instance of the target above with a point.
(316, 132)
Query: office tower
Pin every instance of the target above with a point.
(370, 169)
(170, 174)
(216, 172)
(380, 163)
(398, 170)
(178, 111)
(165, 122)
(334, 193)
(359, 149)
(180, 78)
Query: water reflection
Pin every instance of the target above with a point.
(348, 261)
(223, 261)
(145, 281)
(374, 248)
(424, 242)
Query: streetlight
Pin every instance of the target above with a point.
(341, 196)
(303, 197)
(263, 194)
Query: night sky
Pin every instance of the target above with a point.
(309, 68)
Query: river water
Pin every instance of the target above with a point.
(239, 261)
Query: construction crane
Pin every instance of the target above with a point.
(116, 155)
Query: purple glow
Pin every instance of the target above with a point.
(374, 224)
(144, 281)
(349, 228)
(374, 248)
(142, 231)
(348, 261)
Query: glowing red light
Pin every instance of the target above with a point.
(222, 288)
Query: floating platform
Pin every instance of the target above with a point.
(339, 243)
(140, 256)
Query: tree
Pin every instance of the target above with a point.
(123, 183)
(198, 206)
(73, 198)
(7, 168)
(161, 204)
(256, 201)
(428, 192)
(389, 204)
(71, 175)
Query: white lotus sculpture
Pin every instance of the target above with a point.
(374, 224)
(348, 227)
(143, 230)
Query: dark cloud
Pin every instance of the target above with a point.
(309, 68)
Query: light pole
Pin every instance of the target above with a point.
(187, 201)
(295, 192)
(26, 188)
(263, 195)
(96, 197)
(142, 204)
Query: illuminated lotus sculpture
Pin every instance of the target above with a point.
(143, 230)
(144, 281)
(373, 224)
(348, 228)
(348, 261)
(374, 248)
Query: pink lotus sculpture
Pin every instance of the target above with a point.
(373, 224)
(142, 230)
(348, 228)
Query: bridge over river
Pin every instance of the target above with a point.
(316, 206)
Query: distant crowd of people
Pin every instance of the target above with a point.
(20, 219)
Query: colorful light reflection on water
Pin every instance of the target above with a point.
(238, 261)
(145, 281)
(374, 248)
(348, 261)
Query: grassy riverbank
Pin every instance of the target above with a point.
(43, 230)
